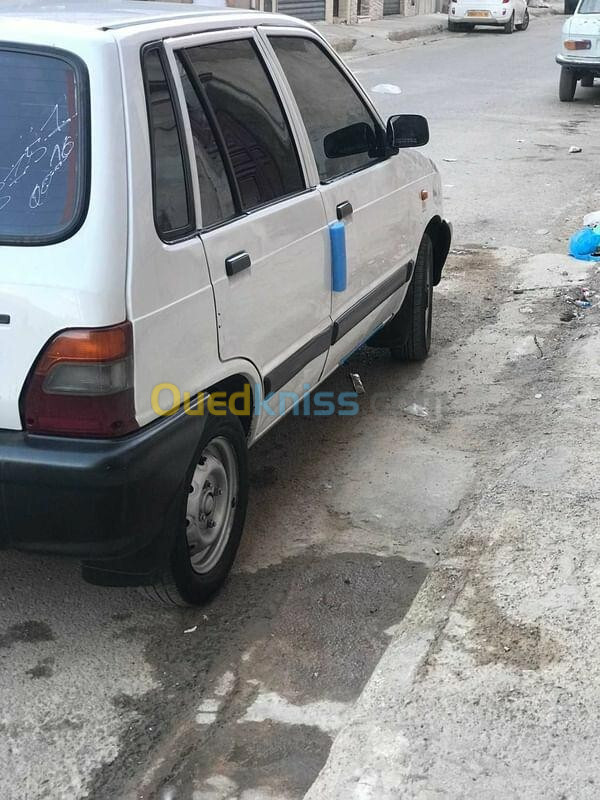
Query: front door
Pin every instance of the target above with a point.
(361, 187)
(263, 228)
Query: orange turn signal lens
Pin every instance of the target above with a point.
(578, 44)
(96, 344)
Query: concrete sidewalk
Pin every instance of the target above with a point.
(489, 688)
(390, 33)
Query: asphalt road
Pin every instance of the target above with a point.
(105, 696)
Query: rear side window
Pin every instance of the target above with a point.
(233, 85)
(217, 204)
(172, 192)
(43, 146)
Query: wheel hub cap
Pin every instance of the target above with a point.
(211, 504)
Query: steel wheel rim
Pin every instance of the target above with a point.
(211, 504)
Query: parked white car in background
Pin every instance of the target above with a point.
(507, 14)
(580, 55)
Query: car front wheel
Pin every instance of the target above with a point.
(567, 85)
(211, 517)
(417, 309)
(525, 24)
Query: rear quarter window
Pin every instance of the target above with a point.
(43, 145)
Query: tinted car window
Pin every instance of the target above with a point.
(215, 191)
(171, 195)
(327, 101)
(257, 136)
(42, 147)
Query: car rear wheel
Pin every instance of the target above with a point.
(587, 81)
(212, 513)
(417, 309)
(567, 85)
(510, 25)
(525, 24)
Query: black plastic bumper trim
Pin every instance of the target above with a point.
(100, 500)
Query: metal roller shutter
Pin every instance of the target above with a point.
(313, 10)
(391, 7)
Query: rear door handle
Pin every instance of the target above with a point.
(344, 210)
(237, 263)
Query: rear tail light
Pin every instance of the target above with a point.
(506, 1)
(82, 384)
(578, 44)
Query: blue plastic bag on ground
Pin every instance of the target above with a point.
(585, 243)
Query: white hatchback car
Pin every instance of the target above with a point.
(579, 58)
(510, 15)
(201, 215)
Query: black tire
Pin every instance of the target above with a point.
(417, 309)
(567, 85)
(587, 81)
(181, 584)
(510, 25)
(525, 24)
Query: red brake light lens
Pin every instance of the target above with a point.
(82, 384)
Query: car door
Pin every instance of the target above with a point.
(263, 226)
(371, 193)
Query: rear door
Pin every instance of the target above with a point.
(263, 226)
(368, 191)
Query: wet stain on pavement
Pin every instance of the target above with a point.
(252, 697)
(27, 632)
(43, 668)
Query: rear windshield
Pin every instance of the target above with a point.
(42, 146)
(590, 7)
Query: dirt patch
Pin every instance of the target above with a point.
(497, 639)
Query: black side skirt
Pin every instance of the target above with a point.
(369, 302)
(284, 372)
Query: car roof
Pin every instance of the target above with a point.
(108, 14)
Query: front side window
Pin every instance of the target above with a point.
(329, 105)
(172, 203)
(235, 86)
(43, 146)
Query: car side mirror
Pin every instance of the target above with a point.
(350, 141)
(407, 130)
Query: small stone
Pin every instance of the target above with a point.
(574, 149)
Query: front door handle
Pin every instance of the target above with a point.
(237, 263)
(344, 210)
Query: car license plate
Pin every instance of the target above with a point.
(478, 13)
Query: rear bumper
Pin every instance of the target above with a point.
(589, 65)
(111, 503)
(479, 20)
